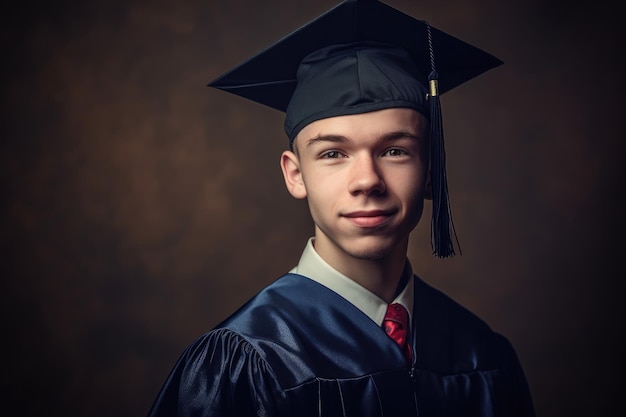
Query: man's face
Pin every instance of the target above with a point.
(364, 177)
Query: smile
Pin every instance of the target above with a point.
(372, 218)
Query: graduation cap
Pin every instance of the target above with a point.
(362, 56)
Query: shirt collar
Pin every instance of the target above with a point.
(312, 266)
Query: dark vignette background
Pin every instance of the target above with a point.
(140, 207)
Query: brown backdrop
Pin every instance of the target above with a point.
(140, 207)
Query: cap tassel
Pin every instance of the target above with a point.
(442, 227)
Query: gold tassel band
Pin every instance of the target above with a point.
(433, 88)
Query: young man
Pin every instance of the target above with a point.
(350, 331)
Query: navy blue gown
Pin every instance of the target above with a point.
(299, 349)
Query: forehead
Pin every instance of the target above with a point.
(367, 125)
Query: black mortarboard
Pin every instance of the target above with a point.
(362, 56)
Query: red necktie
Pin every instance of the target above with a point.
(396, 324)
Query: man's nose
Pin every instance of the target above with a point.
(365, 176)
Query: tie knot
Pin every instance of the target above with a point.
(397, 313)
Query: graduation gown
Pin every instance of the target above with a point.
(299, 349)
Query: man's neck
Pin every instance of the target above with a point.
(382, 276)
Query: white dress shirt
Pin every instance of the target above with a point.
(312, 266)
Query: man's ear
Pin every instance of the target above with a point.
(428, 188)
(290, 165)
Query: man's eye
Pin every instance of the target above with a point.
(331, 155)
(394, 152)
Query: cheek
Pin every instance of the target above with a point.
(320, 194)
(412, 194)
(321, 184)
(414, 209)
(411, 183)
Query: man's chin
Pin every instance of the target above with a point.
(367, 248)
(370, 251)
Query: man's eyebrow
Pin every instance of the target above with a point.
(401, 134)
(326, 138)
(384, 138)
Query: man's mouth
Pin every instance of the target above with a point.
(369, 218)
